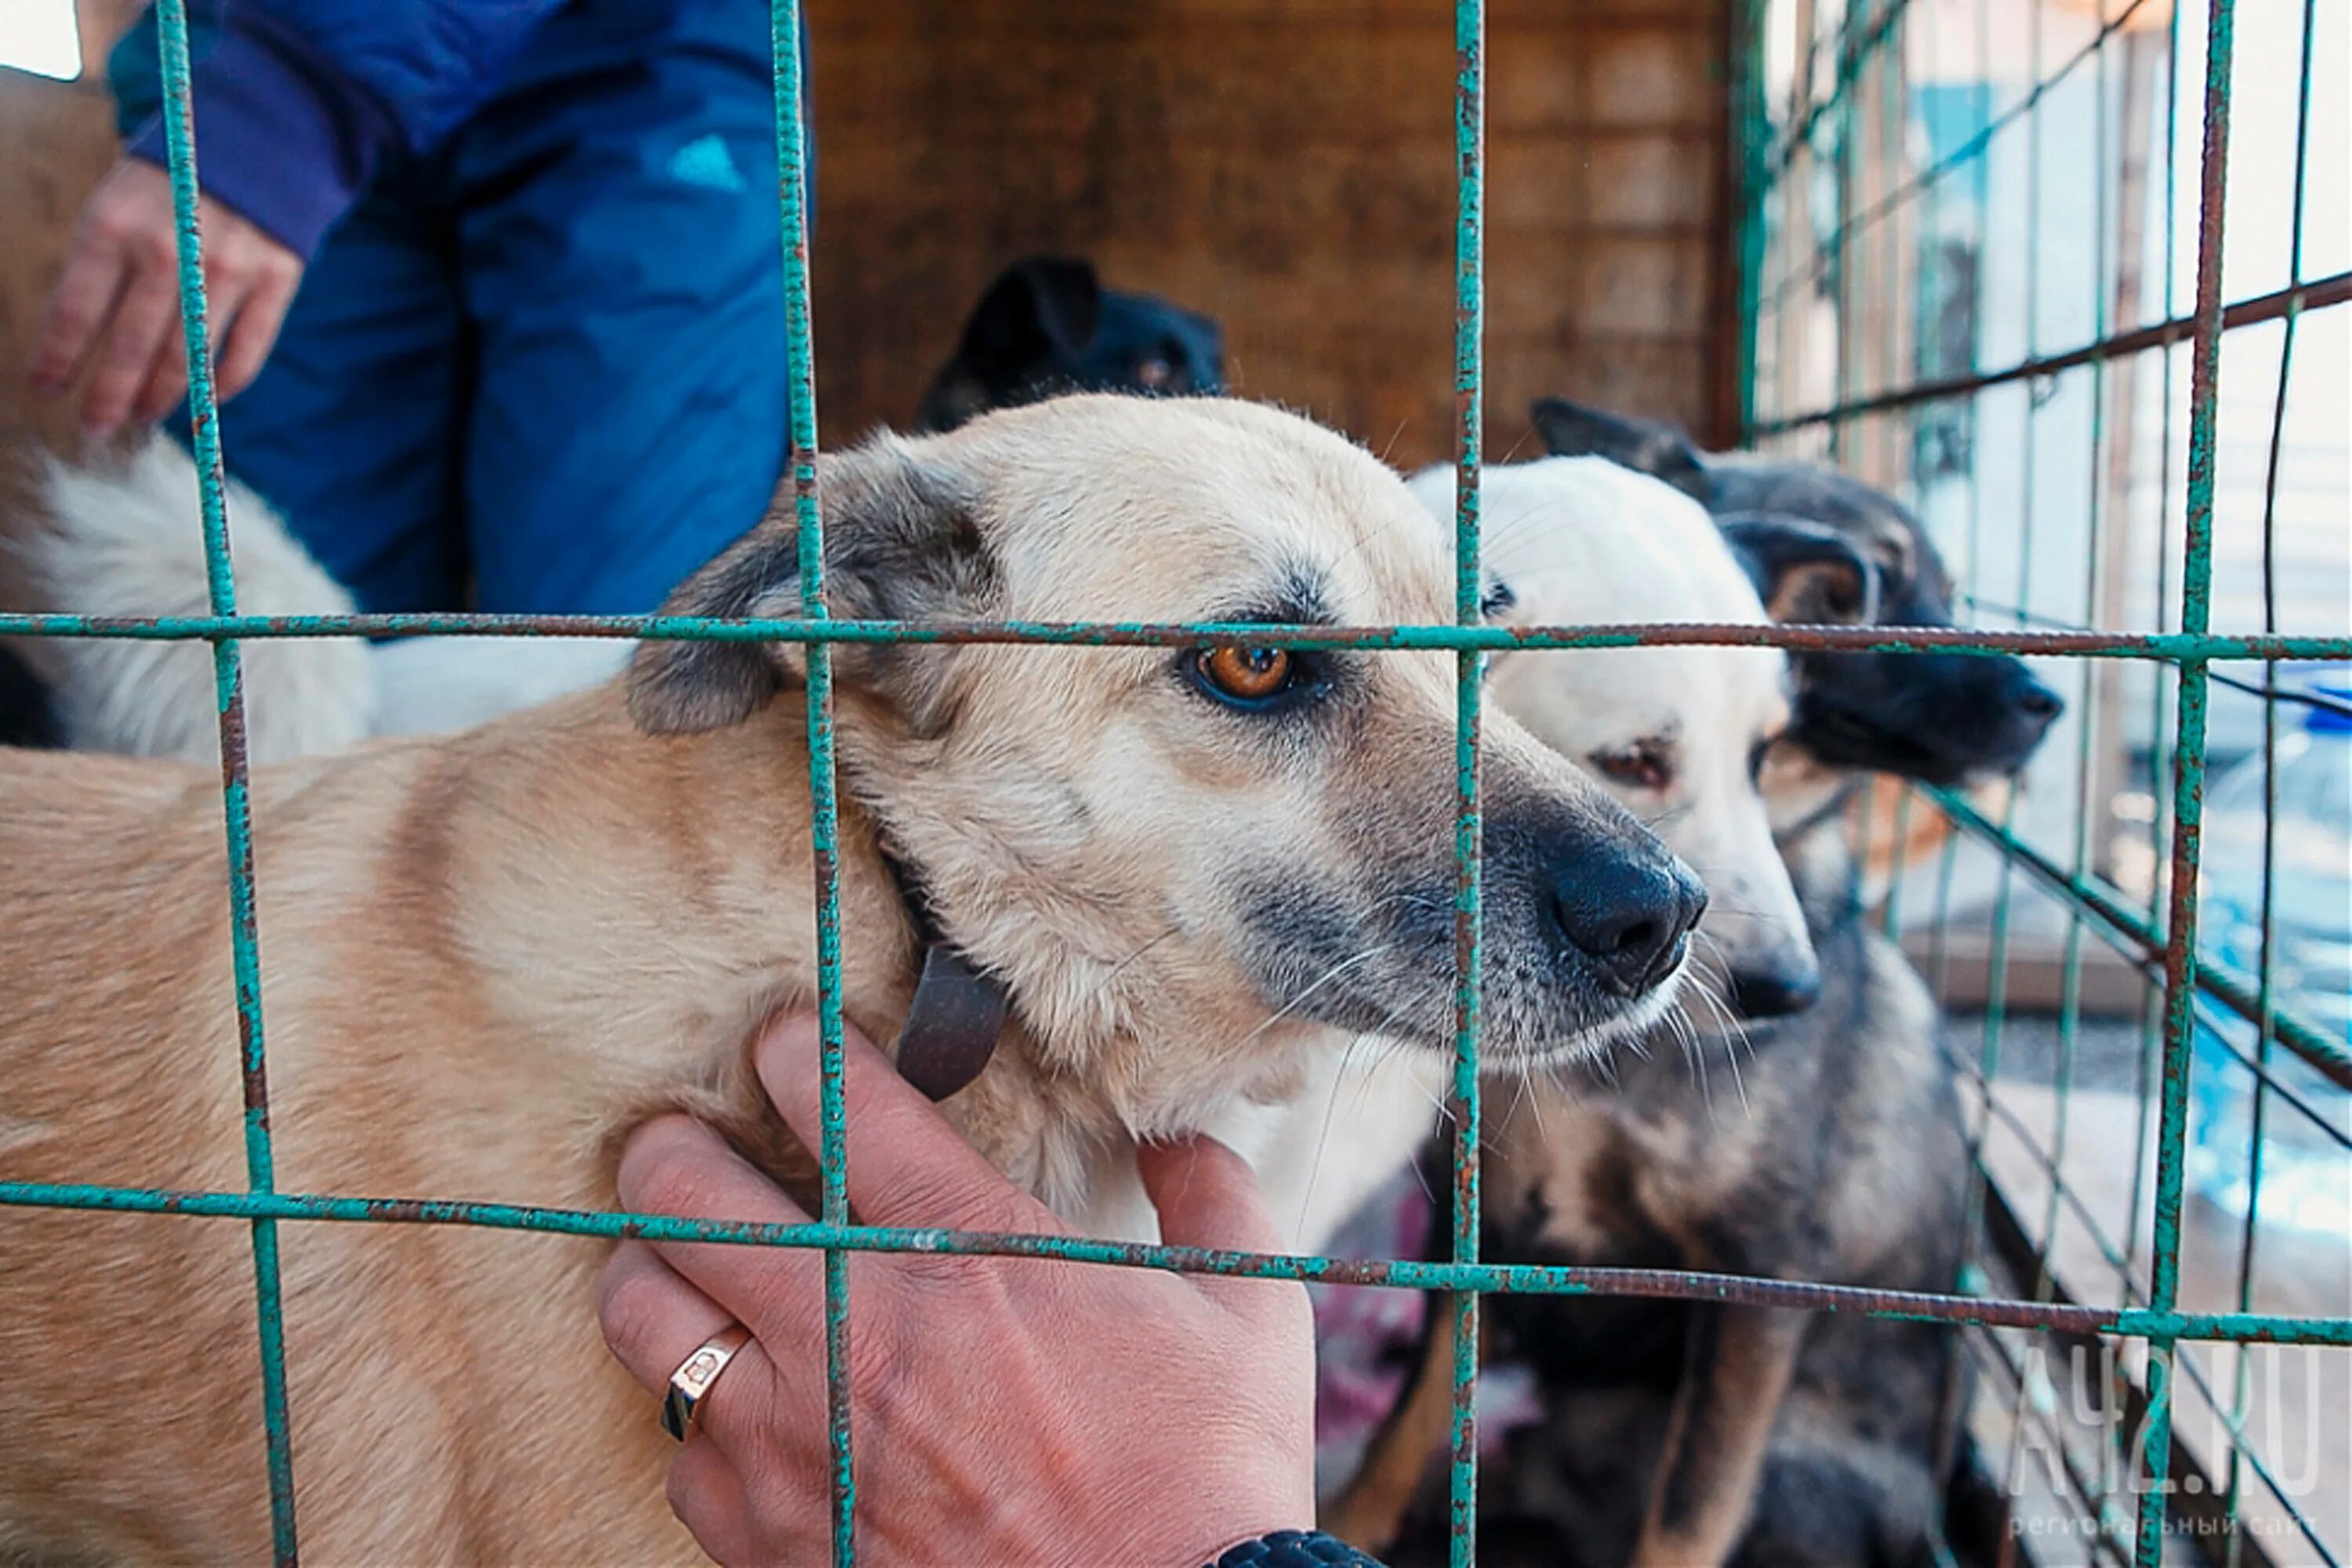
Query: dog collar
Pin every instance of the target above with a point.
(958, 1011)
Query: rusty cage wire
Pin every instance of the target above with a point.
(1839, 129)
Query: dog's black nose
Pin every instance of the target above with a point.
(1630, 914)
(2036, 701)
(1773, 992)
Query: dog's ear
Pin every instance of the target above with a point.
(1805, 574)
(1646, 445)
(901, 542)
(1037, 316)
(1041, 310)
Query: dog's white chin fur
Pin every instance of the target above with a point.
(1630, 1025)
(128, 541)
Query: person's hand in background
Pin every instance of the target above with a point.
(1003, 1410)
(116, 308)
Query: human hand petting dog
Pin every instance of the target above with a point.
(1003, 1410)
(117, 303)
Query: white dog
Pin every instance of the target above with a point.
(1675, 732)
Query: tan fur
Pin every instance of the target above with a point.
(486, 958)
(1716, 1436)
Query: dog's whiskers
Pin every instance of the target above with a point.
(1519, 1099)
(1322, 1138)
(1121, 966)
(1693, 1054)
(1535, 1105)
(1322, 980)
(1387, 1046)
(1731, 1030)
(1727, 1036)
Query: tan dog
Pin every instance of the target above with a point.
(485, 959)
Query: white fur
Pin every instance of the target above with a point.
(129, 541)
(1363, 1114)
(1582, 540)
(432, 685)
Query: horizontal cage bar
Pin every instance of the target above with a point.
(1491, 1279)
(2173, 647)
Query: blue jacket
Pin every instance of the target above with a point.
(297, 102)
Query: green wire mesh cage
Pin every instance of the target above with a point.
(1836, 204)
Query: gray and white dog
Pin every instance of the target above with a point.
(1827, 1146)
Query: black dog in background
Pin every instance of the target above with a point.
(1933, 717)
(1048, 326)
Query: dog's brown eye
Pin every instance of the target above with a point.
(1642, 766)
(1245, 674)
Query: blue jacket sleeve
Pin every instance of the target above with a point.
(299, 100)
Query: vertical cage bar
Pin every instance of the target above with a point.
(1835, 256)
(2189, 775)
(2266, 1028)
(2070, 1000)
(1469, 390)
(1751, 139)
(2101, 1504)
(1893, 329)
(1996, 1007)
(229, 687)
(833, 1154)
(2159, 775)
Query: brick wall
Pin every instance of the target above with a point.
(1288, 165)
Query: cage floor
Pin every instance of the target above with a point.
(2295, 1395)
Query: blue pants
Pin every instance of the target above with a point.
(542, 369)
